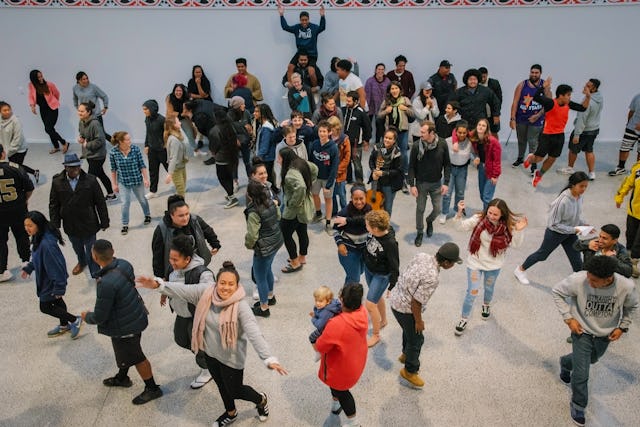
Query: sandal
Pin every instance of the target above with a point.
(65, 148)
(289, 261)
(54, 150)
(290, 269)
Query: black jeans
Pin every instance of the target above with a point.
(288, 226)
(182, 329)
(156, 158)
(378, 124)
(225, 177)
(411, 341)
(230, 386)
(245, 149)
(633, 236)
(22, 242)
(18, 158)
(346, 400)
(49, 119)
(96, 169)
(58, 309)
(271, 177)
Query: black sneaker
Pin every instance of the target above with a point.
(317, 218)
(418, 241)
(209, 161)
(517, 163)
(111, 197)
(147, 395)
(486, 311)
(225, 419)
(272, 300)
(618, 171)
(263, 408)
(125, 230)
(429, 228)
(577, 416)
(460, 327)
(116, 381)
(147, 220)
(258, 311)
(36, 175)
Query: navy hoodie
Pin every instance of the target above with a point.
(155, 127)
(326, 157)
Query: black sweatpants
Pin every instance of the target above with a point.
(225, 176)
(58, 309)
(156, 158)
(96, 169)
(22, 242)
(49, 119)
(288, 226)
(18, 158)
(230, 386)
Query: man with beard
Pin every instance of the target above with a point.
(474, 98)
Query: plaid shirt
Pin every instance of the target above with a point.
(128, 168)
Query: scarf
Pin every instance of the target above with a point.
(228, 318)
(395, 112)
(326, 113)
(426, 146)
(500, 237)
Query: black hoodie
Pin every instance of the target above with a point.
(155, 127)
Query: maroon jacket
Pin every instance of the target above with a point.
(492, 157)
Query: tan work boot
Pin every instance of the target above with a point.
(634, 263)
(402, 358)
(413, 379)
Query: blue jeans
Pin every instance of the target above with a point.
(377, 284)
(138, 192)
(339, 194)
(389, 196)
(263, 276)
(474, 280)
(486, 188)
(82, 248)
(586, 350)
(550, 242)
(411, 341)
(425, 190)
(353, 265)
(457, 182)
(403, 144)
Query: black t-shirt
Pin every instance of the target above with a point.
(14, 186)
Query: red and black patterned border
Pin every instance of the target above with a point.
(338, 4)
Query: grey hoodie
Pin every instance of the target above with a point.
(599, 311)
(589, 120)
(180, 306)
(11, 136)
(93, 134)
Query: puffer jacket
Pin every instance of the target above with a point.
(263, 229)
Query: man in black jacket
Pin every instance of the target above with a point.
(357, 126)
(495, 87)
(154, 144)
(429, 173)
(474, 98)
(120, 314)
(77, 201)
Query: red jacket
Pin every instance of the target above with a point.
(492, 157)
(52, 98)
(343, 345)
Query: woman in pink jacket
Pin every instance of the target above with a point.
(343, 346)
(45, 95)
(488, 153)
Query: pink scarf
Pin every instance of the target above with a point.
(228, 318)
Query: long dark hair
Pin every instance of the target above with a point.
(257, 194)
(44, 226)
(206, 85)
(228, 135)
(390, 100)
(575, 179)
(175, 102)
(266, 115)
(290, 160)
(41, 88)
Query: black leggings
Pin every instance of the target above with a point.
(18, 158)
(58, 309)
(96, 169)
(288, 226)
(230, 386)
(346, 400)
(49, 119)
(225, 176)
(156, 158)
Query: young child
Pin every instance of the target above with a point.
(324, 154)
(326, 307)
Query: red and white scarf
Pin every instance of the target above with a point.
(500, 237)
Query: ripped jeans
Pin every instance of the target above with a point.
(474, 279)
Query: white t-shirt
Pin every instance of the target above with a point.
(352, 82)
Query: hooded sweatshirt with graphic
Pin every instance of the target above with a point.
(327, 158)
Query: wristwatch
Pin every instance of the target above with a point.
(624, 330)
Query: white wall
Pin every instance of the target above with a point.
(137, 54)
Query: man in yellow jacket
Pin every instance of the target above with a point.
(632, 183)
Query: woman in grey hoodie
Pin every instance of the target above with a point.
(94, 147)
(12, 138)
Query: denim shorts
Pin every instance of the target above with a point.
(377, 284)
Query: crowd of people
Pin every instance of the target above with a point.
(421, 143)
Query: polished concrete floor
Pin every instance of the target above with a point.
(502, 372)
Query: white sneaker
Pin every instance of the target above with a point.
(592, 176)
(565, 171)
(150, 195)
(521, 276)
(201, 379)
(442, 219)
(255, 295)
(6, 276)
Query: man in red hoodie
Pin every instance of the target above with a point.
(343, 346)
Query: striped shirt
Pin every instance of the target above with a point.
(129, 167)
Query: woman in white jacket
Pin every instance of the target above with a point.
(425, 107)
(494, 231)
